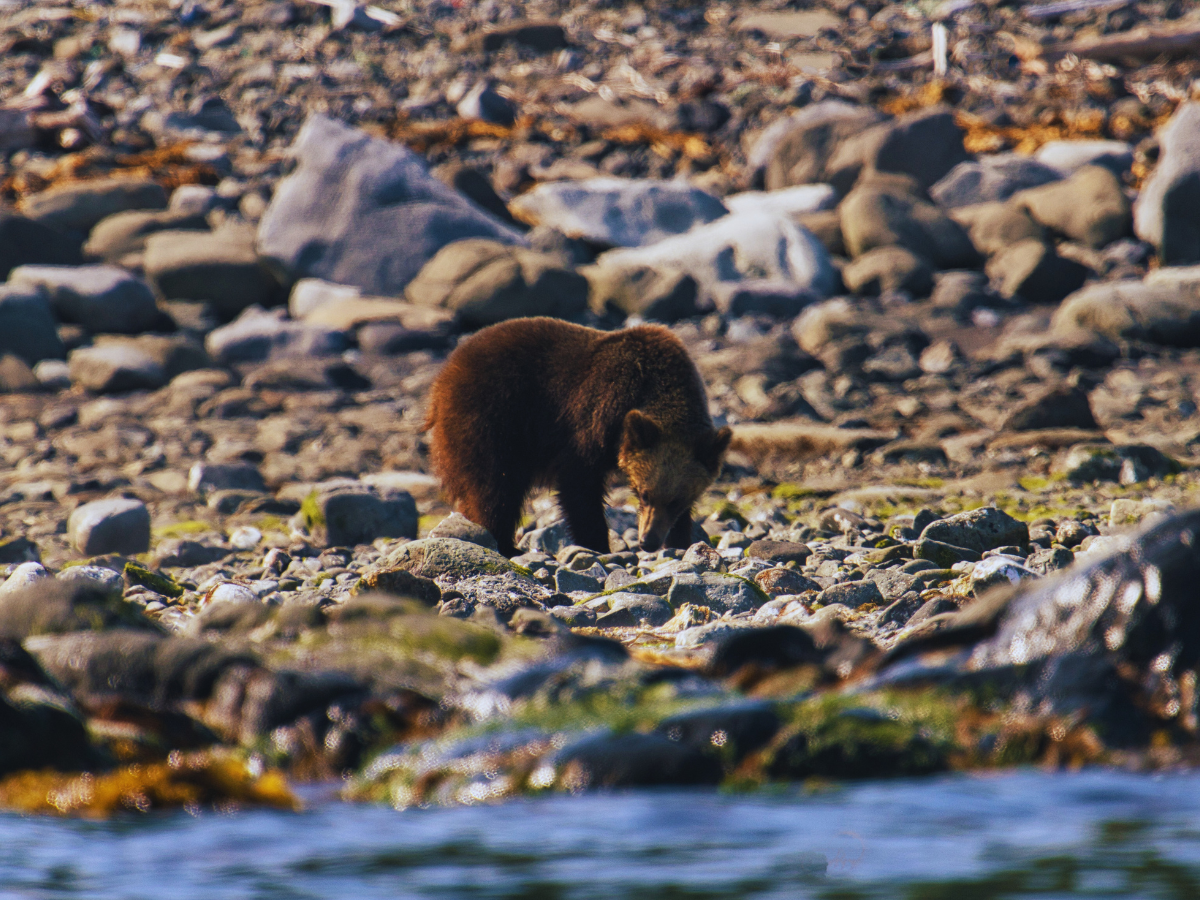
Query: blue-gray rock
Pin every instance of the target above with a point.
(220, 268)
(258, 335)
(979, 529)
(1167, 213)
(485, 104)
(206, 478)
(27, 327)
(26, 242)
(567, 581)
(991, 178)
(106, 580)
(852, 594)
(118, 525)
(631, 610)
(77, 206)
(720, 593)
(362, 211)
(762, 297)
(1067, 156)
(458, 526)
(115, 368)
(100, 298)
(618, 212)
(360, 515)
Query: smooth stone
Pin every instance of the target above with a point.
(27, 326)
(632, 610)
(23, 576)
(458, 526)
(354, 516)
(993, 227)
(1032, 271)
(79, 206)
(720, 593)
(205, 478)
(108, 581)
(990, 179)
(978, 529)
(797, 150)
(796, 201)
(121, 238)
(258, 335)
(220, 268)
(884, 270)
(656, 293)
(1089, 208)
(852, 594)
(26, 242)
(1132, 310)
(109, 369)
(1167, 212)
(885, 212)
(1070, 156)
(118, 525)
(100, 298)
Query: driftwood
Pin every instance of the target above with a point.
(1044, 11)
(1136, 43)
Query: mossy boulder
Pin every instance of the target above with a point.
(448, 557)
(52, 606)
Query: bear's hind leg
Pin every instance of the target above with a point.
(582, 502)
(498, 513)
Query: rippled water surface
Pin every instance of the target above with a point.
(1094, 834)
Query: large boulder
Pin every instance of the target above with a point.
(27, 328)
(737, 247)
(119, 525)
(883, 212)
(484, 281)
(1167, 213)
(1090, 207)
(219, 268)
(797, 150)
(362, 211)
(100, 298)
(1132, 310)
(618, 212)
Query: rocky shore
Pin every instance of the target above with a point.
(939, 266)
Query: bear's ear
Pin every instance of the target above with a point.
(641, 431)
(714, 448)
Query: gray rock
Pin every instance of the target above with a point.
(23, 576)
(1131, 310)
(657, 293)
(1089, 208)
(309, 294)
(567, 581)
(720, 593)
(881, 213)
(26, 242)
(701, 635)
(852, 594)
(355, 516)
(485, 104)
(793, 202)
(53, 374)
(27, 327)
(735, 248)
(485, 281)
(455, 559)
(176, 353)
(797, 151)
(886, 269)
(258, 335)
(574, 616)
(1167, 213)
(206, 478)
(121, 238)
(219, 268)
(618, 212)
(364, 212)
(1034, 272)
(1069, 156)
(1124, 463)
(993, 227)
(1064, 406)
(112, 368)
(778, 552)
(923, 145)
(632, 610)
(107, 581)
(998, 570)
(186, 554)
(458, 526)
(100, 298)
(990, 179)
(118, 525)
(761, 297)
(979, 530)
(79, 206)
(1045, 560)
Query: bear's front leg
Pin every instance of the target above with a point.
(680, 535)
(582, 503)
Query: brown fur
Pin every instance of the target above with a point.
(540, 401)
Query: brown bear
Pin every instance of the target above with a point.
(542, 402)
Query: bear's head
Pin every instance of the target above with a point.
(668, 474)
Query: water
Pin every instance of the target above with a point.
(1025, 835)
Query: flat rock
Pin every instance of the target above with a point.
(121, 238)
(990, 179)
(365, 212)
(78, 206)
(100, 298)
(219, 268)
(258, 335)
(448, 557)
(979, 530)
(1132, 310)
(618, 212)
(27, 327)
(483, 282)
(1069, 156)
(1167, 213)
(110, 526)
(109, 369)
(632, 610)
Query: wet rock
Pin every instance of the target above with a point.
(364, 212)
(991, 179)
(852, 594)
(1131, 310)
(1057, 407)
(79, 206)
(484, 282)
(459, 527)
(1090, 207)
(979, 530)
(113, 368)
(100, 298)
(1033, 271)
(720, 593)
(633, 610)
(259, 335)
(219, 268)
(886, 269)
(26, 242)
(110, 526)
(797, 151)
(660, 294)
(1167, 213)
(736, 247)
(1070, 156)
(634, 760)
(617, 212)
(882, 213)
(27, 327)
(454, 559)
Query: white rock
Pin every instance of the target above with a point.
(23, 576)
(791, 202)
